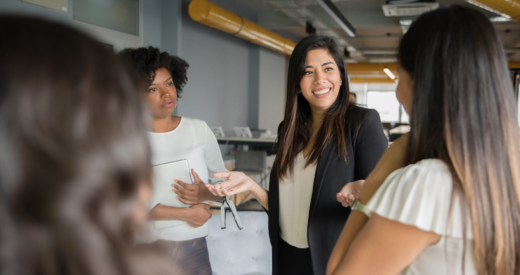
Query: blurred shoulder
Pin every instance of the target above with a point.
(194, 122)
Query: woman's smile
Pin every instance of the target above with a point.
(322, 92)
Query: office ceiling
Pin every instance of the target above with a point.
(377, 35)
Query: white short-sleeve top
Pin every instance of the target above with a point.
(420, 195)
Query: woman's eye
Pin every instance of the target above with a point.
(152, 90)
(308, 72)
(170, 83)
(328, 69)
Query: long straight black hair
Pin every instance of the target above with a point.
(296, 129)
(464, 113)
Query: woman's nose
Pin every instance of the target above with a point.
(164, 92)
(319, 78)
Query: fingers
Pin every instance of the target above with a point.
(220, 175)
(342, 199)
(186, 201)
(222, 191)
(211, 189)
(181, 183)
(185, 186)
(196, 176)
(215, 190)
(350, 199)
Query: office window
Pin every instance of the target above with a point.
(387, 105)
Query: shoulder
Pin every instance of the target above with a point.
(359, 115)
(195, 123)
(419, 195)
(429, 175)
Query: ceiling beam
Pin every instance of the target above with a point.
(333, 11)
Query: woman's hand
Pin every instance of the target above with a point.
(198, 215)
(350, 192)
(192, 193)
(392, 159)
(237, 182)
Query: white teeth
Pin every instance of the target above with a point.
(320, 92)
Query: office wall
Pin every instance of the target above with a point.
(152, 23)
(272, 85)
(227, 74)
(218, 77)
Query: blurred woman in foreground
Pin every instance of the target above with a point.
(74, 162)
(454, 208)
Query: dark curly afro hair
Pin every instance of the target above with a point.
(148, 60)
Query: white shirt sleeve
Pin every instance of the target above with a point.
(212, 155)
(420, 195)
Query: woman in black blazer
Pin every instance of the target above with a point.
(320, 131)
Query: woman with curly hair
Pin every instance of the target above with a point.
(175, 138)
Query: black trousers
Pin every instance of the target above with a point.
(293, 260)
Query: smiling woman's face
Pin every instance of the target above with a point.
(162, 94)
(321, 81)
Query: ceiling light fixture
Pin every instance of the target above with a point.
(333, 11)
(389, 73)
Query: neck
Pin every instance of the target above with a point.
(161, 125)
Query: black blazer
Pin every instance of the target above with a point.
(326, 215)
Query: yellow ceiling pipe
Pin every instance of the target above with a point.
(509, 7)
(370, 68)
(375, 80)
(209, 14)
(514, 65)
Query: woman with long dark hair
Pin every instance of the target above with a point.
(454, 207)
(74, 162)
(324, 142)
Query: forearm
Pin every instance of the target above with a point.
(354, 224)
(261, 195)
(162, 212)
(392, 159)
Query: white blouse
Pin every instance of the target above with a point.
(194, 141)
(295, 202)
(420, 195)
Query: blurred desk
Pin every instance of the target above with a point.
(259, 142)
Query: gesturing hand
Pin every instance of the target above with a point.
(198, 215)
(350, 192)
(237, 182)
(192, 193)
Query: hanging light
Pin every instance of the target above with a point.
(389, 73)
